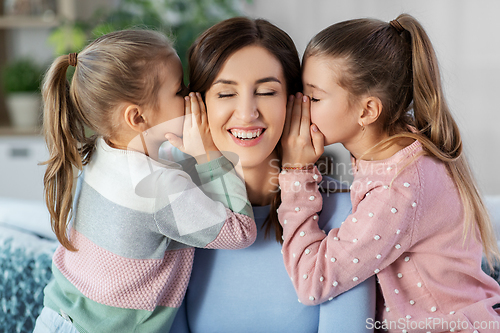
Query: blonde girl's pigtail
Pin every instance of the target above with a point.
(440, 134)
(62, 128)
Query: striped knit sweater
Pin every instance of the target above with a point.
(135, 224)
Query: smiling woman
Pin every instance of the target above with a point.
(246, 69)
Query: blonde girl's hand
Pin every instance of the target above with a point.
(302, 141)
(196, 137)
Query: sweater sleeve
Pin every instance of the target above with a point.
(215, 214)
(371, 238)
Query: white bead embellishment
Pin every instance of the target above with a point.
(412, 302)
(376, 271)
(369, 182)
(400, 275)
(397, 246)
(307, 251)
(386, 187)
(354, 219)
(355, 260)
(302, 234)
(407, 258)
(398, 232)
(394, 210)
(283, 172)
(335, 283)
(406, 184)
(433, 309)
(419, 284)
(293, 255)
(312, 197)
(335, 238)
(408, 317)
(322, 279)
(370, 214)
(297, 183)
(311, 298)
(354, 240)
(315, 217)
(285, 221)
(389, 168)
(315, 177)
(396, 291)
(297, 209)
(355, 278)
(387, 309)
(304, 276)
(452, 312)
(378, 256)
(377, 237)
(330, 298)
(333, 259)
(414, 204)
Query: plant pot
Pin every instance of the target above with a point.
(24, 109)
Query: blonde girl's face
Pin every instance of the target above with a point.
(330, 108)
(169, 117)
(246, 105)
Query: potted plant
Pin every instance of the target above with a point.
(21, 83)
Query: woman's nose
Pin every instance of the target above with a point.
(247, 110)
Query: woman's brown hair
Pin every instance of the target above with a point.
(210, 51)
(396, 62)
(122, 66)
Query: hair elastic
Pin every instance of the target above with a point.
(73, 57)
(396, 25)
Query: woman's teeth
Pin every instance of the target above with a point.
(245, 135)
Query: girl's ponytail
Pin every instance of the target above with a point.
(63, 133)
(440, 135)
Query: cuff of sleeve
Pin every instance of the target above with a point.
(291, 179)
(219, 163)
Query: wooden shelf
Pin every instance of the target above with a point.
(20, 131)
(19, 22)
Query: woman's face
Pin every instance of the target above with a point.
(246, 105)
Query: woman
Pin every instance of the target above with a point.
(245, 70)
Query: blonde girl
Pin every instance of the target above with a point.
(418, 221)
(135, 219)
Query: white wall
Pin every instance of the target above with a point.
(465, 36)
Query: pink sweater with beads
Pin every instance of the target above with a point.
(406, 227)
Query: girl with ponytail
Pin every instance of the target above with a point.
(125, 260)
(418, 221)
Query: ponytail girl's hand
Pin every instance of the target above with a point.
(196, 138)
(302, 141)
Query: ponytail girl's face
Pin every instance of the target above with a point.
(246, 105)
(330, 108)
(169, 117)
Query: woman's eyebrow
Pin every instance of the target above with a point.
(223, 81)
(268, 79)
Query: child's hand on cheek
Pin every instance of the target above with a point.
(196, 138)
(302, 142)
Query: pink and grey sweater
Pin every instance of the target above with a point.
(135, 225)
(406, 227)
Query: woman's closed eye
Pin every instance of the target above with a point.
(225, 95)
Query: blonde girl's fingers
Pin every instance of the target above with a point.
(305, 119)
(296, 115)
(288, 119)
(318, 140)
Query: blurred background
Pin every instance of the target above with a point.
(33, 32)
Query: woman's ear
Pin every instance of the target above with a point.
(372, 108)
(134, 118)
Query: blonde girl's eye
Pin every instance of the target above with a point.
(313, 100)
